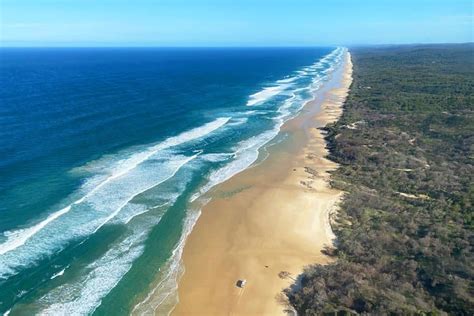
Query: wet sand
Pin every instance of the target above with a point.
(270, 218)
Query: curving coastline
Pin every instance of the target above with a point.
(270, 218)
(124, 206)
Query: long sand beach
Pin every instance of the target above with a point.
(270, 218)
(126, 199)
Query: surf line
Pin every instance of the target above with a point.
(17, 238)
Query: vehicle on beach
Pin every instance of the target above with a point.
(241, 283)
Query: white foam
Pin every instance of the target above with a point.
(288, 80)
(139, 172)
(58, 274)
(283, 84)
(97, 210)
(83, 297)
(133, 210)
(251, 112)
(18, 237)
(84, 294)
(238, 121)
(266, 94)
(168, 282)
(176, 164)
(246, 152)
(217, 157)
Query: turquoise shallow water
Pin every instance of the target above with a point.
(104, 149)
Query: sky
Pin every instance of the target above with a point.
(233, 22)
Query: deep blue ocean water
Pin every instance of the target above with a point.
(102, 152)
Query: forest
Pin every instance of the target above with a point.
(405, 227)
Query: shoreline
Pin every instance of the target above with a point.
(269, 218)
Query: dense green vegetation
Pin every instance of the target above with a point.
(405, 229)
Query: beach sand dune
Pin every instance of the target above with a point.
(266, 223)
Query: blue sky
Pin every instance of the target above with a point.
(233, 22)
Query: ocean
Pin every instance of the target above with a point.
(108, 154)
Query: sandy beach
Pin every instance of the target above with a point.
(270, 218)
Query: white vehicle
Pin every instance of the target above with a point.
(241, 283)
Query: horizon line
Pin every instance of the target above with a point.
(236, 46)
